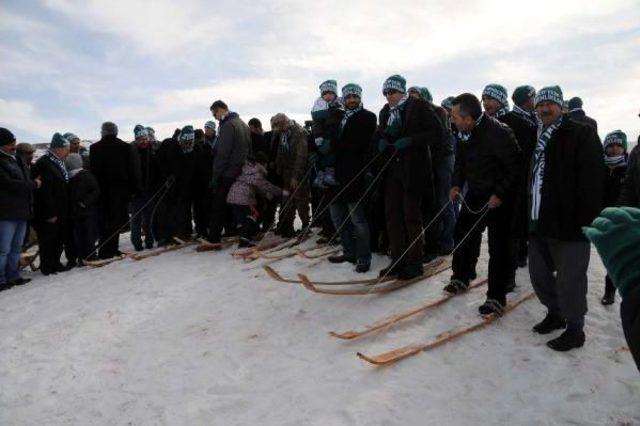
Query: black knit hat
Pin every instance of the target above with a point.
(6, 137)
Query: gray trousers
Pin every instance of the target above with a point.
(565, 293)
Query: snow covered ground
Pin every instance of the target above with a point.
(193, 338)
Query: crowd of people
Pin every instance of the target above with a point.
(416, 182)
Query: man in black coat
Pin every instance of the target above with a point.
(116, 166)
(407, 128)
(567, 188)
(439, 236)
(176, 164)
(348, 210)
(487, 161)
(577, 113)
(142, 204)
(203, 158)
(522, 121)
(51, 204)
(16, 196)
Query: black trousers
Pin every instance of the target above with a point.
(247, 223)
(51, 237)
(324, 218)
(113, 214)
(404, 220)
(500, 248)
(174, 217)
(630, 314)
(202, 211)
(84, 236)
(221, 214)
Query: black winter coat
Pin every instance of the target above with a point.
(351, 149)
(421, 123)
(116, 167)
(203, 162)
(173, 162)
(527, 137)
(581, 117)
(16, 189)
(613, 181)
(52, 198)
(630, 193)
(83, 195)
(489, 162)
(573, 183)
(148, 169)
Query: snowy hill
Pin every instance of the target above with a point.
(194, 338)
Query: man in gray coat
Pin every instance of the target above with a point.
(230, 150)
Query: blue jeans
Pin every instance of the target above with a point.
(11, 238)
(443, 171)
(355, 231)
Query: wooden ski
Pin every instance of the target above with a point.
(183, 244)
(387, 322)
(406, 351)
(377, 288)
(104, 262)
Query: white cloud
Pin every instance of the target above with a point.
(158, 27)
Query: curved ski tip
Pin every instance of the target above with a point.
(370, 360)
(343, 336)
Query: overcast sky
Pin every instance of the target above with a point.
(69, 65)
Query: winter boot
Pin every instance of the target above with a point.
(492, 307)
(341, 259)
(572, 338)
(245, 243)
(429, 257)
(456, 286)
(608, 298)
(410, 272)
(392, 270)
(550, 323)
(362, 266)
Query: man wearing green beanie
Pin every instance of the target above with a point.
(616, 236)
(51, 204)
(408, 128)
(177, 168)
(615, 160)
(439, 237)
(565, 193)
(524, 127)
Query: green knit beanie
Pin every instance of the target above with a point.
(616, 137)
(497, 92)
(329, 86)
(395, 82)
(352, 89)
(58, 141)
(70, 136)
(447, 103)
(426, 94)
(140, 131)
(550, 94)
(187, 133)
(210, 125)
(522, 94)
